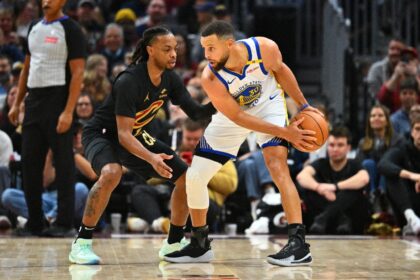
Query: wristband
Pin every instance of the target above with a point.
(303, 107)
(336, 187)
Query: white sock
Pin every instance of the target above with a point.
(413, 220)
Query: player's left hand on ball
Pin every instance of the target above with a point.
(313, 109)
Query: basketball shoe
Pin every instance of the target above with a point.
(296, 252)
(198, 250)
(170, 248)
(82, 253)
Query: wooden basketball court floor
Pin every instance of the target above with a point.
(240, 257)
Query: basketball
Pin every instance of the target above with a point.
(315, 122)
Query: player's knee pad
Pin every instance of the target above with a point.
(197, 179)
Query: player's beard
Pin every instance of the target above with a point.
(221, 63)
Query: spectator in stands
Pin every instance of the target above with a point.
(117, 69)
(89, 22)
(114, 50)
(205, 16)
(5, 74)
(6, 25)
(14, 199)
(156, 13)
(401, 167)
(126, 18)
(28, 13)
(334, 189)
(84, 107)
(10, 50)
(409, 92)
(379, 137)
(381, 71)
(222, 13)
(95, 79)
(15, 133)
(6, 149)
(406, 67)
(184, 68)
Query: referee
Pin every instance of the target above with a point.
(52, 74)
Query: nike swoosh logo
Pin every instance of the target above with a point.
(231, 81)
(273, 96)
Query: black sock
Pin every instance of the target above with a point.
(176, 233)
(297, 230)
(85, 232)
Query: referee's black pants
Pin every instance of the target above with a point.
(43, 107)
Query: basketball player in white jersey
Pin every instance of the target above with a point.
(245, 82)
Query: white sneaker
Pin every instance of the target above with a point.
(161, 224)
(135, 224)
(259, 226)
(21, 222)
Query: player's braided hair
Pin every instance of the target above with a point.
(140, 53)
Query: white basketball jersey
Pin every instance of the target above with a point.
(254, 85)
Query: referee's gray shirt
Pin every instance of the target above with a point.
(51, 45)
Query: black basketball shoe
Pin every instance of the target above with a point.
(296, 252)
(198, 251)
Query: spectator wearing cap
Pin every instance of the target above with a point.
(389, 93)
(87, 18)
(381, 71)
(114, 50)
(409, 91)
(126, 18)
(205, 16)
(222, 13)
(156, 15)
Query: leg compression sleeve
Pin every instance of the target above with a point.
(198, 176)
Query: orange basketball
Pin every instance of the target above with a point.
(315, 122)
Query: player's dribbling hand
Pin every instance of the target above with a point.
(158, 163)
(300, 138)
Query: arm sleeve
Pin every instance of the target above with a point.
(180, 96)
(75, 39)
(392, 162)
(125, 91)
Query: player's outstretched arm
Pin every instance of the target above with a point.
(225, 104)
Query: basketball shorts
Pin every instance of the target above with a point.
(222, 138)
(101, 151)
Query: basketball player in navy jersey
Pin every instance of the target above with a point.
(245, 81)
